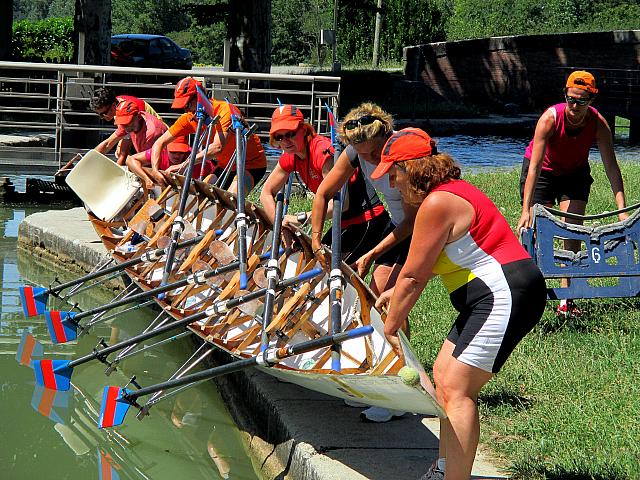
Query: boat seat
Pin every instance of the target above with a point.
(103, 186)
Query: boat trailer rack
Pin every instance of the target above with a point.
(607, 264)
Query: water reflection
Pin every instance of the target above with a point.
(49, 434)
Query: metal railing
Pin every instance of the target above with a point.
(52, 100)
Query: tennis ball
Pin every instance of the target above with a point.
(409, 376)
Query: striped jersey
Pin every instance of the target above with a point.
(482, 251)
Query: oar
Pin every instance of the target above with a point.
(241, 217)
(34, 299)
(336, 279)
(116, 401)
(273, 269)
(203, 109)
(56, 374)
(63, 325)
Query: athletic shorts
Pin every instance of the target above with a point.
(357, 239)
(491, 324)
(397, 255)
(552, 189)
(256, 174)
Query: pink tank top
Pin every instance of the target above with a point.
(566, 153)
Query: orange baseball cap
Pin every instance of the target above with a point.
(125, 111)
(286, 117)
(180, 144)
(405, 144)
(582, 80)
(185, 89)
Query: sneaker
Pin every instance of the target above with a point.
(568, 310)
(379, 415)
(434, 473)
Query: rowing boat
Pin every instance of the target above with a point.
(370, 371)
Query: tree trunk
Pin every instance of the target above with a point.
(249, 30)
(92, 32)
(6, 21)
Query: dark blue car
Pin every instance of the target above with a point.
(151, 51)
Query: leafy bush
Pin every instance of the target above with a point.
(49, 40)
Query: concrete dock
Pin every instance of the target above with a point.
(291, 432)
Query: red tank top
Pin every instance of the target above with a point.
(567, 153)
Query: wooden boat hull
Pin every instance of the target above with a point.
(370, 367)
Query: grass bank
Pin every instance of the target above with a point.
(567, 403)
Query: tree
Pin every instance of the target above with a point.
(6, 20)
(249, 30)
(92, 32)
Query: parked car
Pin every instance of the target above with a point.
(155, 51)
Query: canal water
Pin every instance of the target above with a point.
(190, 435)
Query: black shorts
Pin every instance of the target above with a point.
(256, 175)
(397, 255)
(358, 239)
(552, 189)
(493, 321)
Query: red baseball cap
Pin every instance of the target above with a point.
(180, 144)
(582, 80)
(185, 89)
(405, 144)
(125, 111)
(286, 117)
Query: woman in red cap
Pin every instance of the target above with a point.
(174, 158)
(492, 281)
(556, 163)
(223, 143)
(309, 157)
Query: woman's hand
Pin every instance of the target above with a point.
(363, 264)
(291, 221)
(157, 176)
(525, 220)
(173, 168)
(383, 301)
(321, 254)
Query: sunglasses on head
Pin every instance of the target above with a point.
(289, 135)
(358, 122)
(579, 101)
(104, 113)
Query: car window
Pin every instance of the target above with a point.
(155, 47)
(130, 47)
(167, 47)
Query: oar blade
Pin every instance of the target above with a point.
(29, 349)
(114, 407)
(53, 404)
(34, 300)
(61, 325)
(53, 374)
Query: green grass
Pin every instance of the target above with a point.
(567, 403)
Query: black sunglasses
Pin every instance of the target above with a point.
(288, 136)
(580, 101)
(357, 122)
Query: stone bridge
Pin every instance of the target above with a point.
(529, 71)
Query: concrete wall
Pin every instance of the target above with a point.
(529, 70)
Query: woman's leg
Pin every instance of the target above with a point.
(457, 388)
